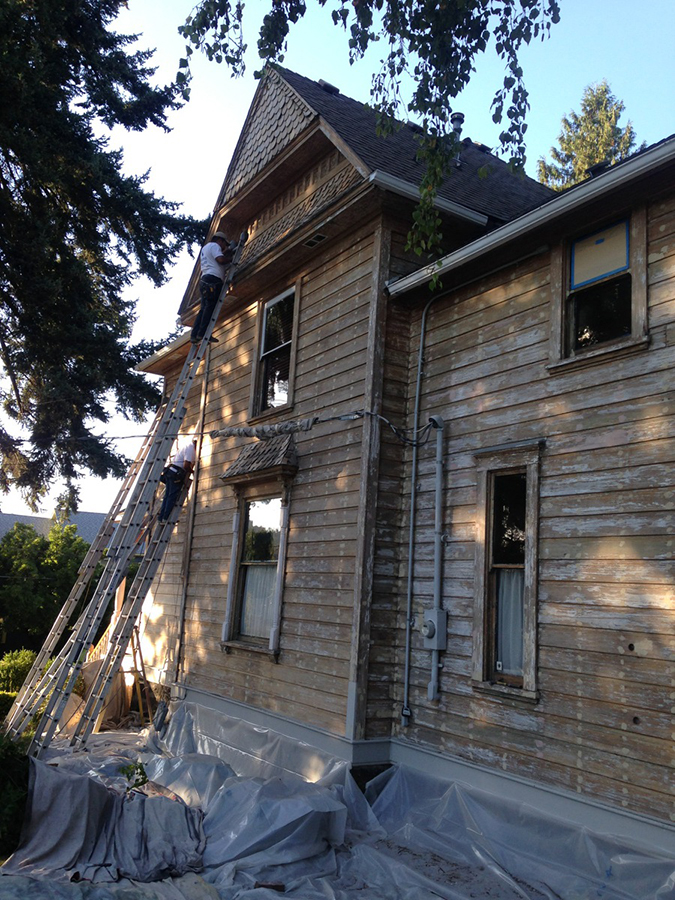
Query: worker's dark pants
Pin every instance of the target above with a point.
(209, 288)
(174, 478)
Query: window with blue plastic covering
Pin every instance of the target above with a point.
(598, 307)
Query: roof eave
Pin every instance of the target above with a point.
(156, 364)
(406, 189)
(592, 190)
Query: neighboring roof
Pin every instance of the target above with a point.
(649, 162)
(500, 194)
(88, 524)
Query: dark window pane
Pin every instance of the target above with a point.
(599, 313)
(508, 527)
(278, 323)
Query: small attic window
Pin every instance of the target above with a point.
(314, 240)
(328, 87)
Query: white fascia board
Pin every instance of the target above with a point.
(593, 189)
(147, 364)
(406, 189)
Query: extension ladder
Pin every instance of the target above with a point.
(46, 694)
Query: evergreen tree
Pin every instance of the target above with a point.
(588, 138)
(74, 232)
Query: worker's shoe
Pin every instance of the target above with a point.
(213, 340)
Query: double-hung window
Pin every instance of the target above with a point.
(276, 353)
(599, 301)
(261, 479)
(599, 291)
(505, 597)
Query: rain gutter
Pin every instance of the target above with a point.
(616, 177)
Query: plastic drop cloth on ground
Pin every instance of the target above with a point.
(279, 814)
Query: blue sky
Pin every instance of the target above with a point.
(630, 44)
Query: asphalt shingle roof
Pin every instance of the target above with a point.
(500, 194)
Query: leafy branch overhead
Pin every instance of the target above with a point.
(435, 45)
(75, 231)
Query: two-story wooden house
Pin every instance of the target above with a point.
(443, 532)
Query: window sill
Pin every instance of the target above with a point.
(600, 354)
(518, 696)
(259, 418)
(227, 646)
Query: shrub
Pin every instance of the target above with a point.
(6, 700)
(14, 791)
(14, 666)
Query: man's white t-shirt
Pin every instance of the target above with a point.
(187, 453)
(209, 263)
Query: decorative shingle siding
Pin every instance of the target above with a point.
(276, 118)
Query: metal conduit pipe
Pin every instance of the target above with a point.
(435, 625)
(405, 711)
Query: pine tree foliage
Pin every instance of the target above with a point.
(587, 138)
(75, 230)
(436, 44)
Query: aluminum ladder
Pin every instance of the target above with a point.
(46, 694)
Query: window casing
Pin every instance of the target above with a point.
(505, 592)
(599, 292)
(275, 357)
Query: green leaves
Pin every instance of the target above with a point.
(36, 575)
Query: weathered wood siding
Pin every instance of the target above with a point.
(309, 683)
(603, 726)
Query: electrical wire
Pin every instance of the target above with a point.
(401, 434)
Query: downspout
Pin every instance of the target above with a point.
(410, 622)
(392, 290)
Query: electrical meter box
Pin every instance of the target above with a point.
(434, 629)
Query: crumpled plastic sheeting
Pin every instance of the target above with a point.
(194, 777)
(421, 838)
(541, 854)
(78, 829)
(253, 823)
(251, 750)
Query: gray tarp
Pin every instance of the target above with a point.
(418, 837)
(78, 829)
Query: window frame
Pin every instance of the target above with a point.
(256, 412)
(560, 357)
(246, 493)
(510, 459)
